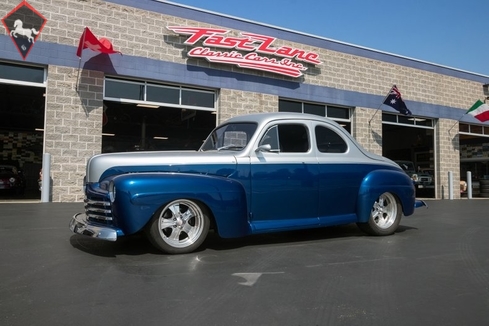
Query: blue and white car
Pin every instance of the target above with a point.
(253, 174)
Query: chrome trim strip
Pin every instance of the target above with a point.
(99, 217)
(96, 202)
(80, 225)
(98, 210)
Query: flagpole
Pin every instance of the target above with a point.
(369, 121)
(463, 115)
(380, 105)
(81, 54)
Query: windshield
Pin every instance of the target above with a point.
(406, 165)
(231, 136)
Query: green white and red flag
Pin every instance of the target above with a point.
(480, 111)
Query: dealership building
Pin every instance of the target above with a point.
(156, 75)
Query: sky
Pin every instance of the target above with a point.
(450, 33)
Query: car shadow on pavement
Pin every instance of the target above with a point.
(292, 237)
(135, 245)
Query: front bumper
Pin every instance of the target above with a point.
(80, 225)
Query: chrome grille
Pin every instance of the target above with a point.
(98, 210)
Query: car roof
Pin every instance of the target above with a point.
(263, 118)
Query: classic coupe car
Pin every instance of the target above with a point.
(253, 174)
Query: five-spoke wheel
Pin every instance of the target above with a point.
(179, 227)
(385, 216)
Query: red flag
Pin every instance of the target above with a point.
(90, 41)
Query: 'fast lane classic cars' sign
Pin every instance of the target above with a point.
(288, 61)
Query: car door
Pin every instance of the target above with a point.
(341, 170)
(284, 186)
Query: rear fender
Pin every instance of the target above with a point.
(380, 181)
(140, 195)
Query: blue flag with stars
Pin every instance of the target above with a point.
(394, 100)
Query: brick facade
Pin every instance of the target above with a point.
(74, 98)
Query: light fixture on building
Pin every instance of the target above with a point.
(149, 106)
(160, 137)
(39, 129)
(485, 89)
(109, 135)
(416, 119)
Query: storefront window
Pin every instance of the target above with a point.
(322, 110)
(464, 127)
(315, 109)
(139, 92)
(197, 98)
(22, 73)
(476, 129)
(337, 112)
(124, 90)
(407, 120)
(290, 106)
(163, 94)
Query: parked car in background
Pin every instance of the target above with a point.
(254, 174)
(12, 180)
(422, 179)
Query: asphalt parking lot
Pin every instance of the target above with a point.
(433, 271)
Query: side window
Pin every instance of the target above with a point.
(293, 138)
(328, 141)
(271, 138)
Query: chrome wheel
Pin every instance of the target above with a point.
(180, 227)
(384, 211)
(385, 216)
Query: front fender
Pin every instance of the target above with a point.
(380, 181)
(140, 195)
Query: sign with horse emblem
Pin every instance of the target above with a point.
(24, 24)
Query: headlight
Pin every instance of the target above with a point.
(112, 191)
(12, 180)
(414, 177)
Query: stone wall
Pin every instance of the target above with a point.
(73, 131)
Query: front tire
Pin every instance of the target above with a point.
(179, 227)
(385, 216)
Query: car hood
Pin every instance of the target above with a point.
(216, 163)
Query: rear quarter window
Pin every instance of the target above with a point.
(329, 141)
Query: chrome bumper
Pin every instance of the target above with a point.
(80, 225)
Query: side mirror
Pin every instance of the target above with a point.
(264, 148)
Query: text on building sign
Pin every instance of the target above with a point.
(255, 44)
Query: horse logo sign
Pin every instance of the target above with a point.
(24, 24)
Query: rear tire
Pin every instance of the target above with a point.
(179, 227)
(385, 216)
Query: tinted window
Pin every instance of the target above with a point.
(119, 89)
(198, 98)
(163, 94)
(328, 141)
(340, 113)
(289, 106)
(23, 73)
(315, 109)
(293, 138)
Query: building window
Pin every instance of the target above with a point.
(146, 94)
(337, 113)
(474, 129)
(407, 120)
(22, 73)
